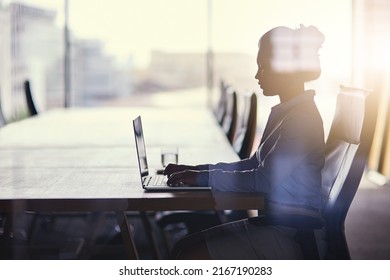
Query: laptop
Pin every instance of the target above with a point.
(153, 182)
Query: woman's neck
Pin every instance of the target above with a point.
(293, 90)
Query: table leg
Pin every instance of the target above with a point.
(149, 233)
(127, 235)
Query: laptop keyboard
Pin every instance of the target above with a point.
(160, 180)
(157, 180)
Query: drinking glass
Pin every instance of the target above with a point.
(169, 155)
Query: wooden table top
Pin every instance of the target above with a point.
(84, 159)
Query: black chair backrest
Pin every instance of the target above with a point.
(220, 110)
(347, 149)
(246, 129)
(3, 121)
(229, 124)
(29, 99)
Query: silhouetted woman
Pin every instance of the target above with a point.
(286, 166)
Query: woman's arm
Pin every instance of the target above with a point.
(245, 164)
(294, 152)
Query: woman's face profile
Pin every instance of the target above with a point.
(269, 80)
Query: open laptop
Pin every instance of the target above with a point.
(155, 182)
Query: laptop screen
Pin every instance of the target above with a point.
(140, 146)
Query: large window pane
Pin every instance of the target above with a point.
(125, 50)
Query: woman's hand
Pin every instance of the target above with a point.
(174, 168)
(186, 177)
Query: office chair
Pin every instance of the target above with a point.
(246, 130)
(347, 149)
(32, 110)
(229, 123)
(2, 119)
(220, 110)
(7, 232)
(243, 141)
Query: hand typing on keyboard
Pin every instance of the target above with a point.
(174, 168)
(187, 177)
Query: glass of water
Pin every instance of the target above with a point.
(169, 155)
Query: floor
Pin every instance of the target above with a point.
(367, 224)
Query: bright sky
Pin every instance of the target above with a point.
(138, 26)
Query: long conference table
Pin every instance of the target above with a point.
(84, 160)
